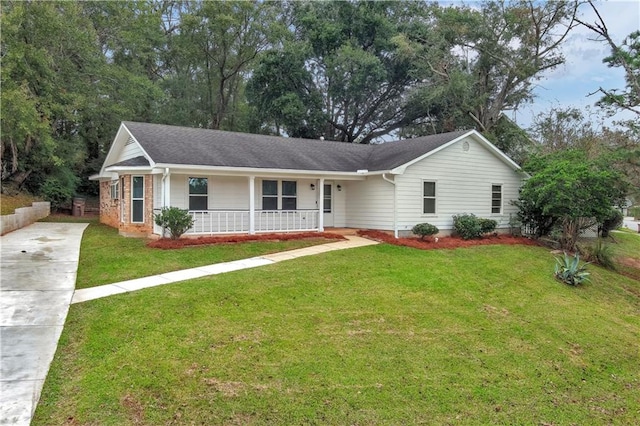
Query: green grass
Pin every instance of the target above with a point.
(9, 203)
(375, 335)
(625, 243)
(106, 257)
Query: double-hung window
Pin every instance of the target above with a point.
(269, 195)
(289, 195)
(428, 197)
(283, 195)
(198, 193)
(137, 199)
(496, 199)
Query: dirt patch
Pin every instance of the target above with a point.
(169, 244)
(446, 242)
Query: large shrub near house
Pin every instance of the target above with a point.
(569, 189)
(177, 221)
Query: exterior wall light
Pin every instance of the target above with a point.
(339, 187)
(313, 187)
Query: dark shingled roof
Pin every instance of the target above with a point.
(133, 162)
(203, 147)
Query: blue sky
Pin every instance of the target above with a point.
(583, 71)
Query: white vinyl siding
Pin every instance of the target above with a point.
(370, 204)
(464, 182)
(130, 150)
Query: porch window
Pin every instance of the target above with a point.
(289, 195)
(269, 195)
(137, 199)
(496, 199)
(198, 193)
(326, 205)
(428, 197)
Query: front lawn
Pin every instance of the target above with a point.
(106, 257)
(375, 335)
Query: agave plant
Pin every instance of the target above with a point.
(569, 271)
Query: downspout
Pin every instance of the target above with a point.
(165, 175)
(395, 203)
(164, 187)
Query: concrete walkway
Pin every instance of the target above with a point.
(92, 293)
(38, 266)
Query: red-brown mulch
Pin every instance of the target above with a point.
(446, 242)
(168, 244)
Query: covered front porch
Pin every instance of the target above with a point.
(227, 204)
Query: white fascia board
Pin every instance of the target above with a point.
(251, 171)
(129, 169)
(471, 133)
(104, 176)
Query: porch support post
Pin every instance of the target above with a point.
(252, 205)
(166, 188)
(321, 204)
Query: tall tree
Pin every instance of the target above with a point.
(625, 55)
(215, 47)
(342, 73)
(488, 58)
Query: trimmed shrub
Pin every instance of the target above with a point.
(425, 230)
(177, 221)
(569, 271)
(467, 226)
(487, 225)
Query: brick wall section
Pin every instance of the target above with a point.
(110, 209)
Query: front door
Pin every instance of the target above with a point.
(327, 205)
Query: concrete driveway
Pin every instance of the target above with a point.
(38, 275)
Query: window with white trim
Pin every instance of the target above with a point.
(429, 197)
(289, 195)
(326, 205)
(269, 195)
(281, 195)
(115, 193)
(137, 199)
(496, 199)
(198, 193)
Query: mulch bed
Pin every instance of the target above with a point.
(169, 244)
(446, 242)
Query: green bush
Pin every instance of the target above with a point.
(467, 226)
(177, 221)
(59, 188)
(569, 271)
(598, 253)
(487, 225)
(612, 221)
(425, 230)
(634, 212)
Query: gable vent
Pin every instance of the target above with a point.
(130, 141)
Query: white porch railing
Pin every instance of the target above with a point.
(237, 221)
